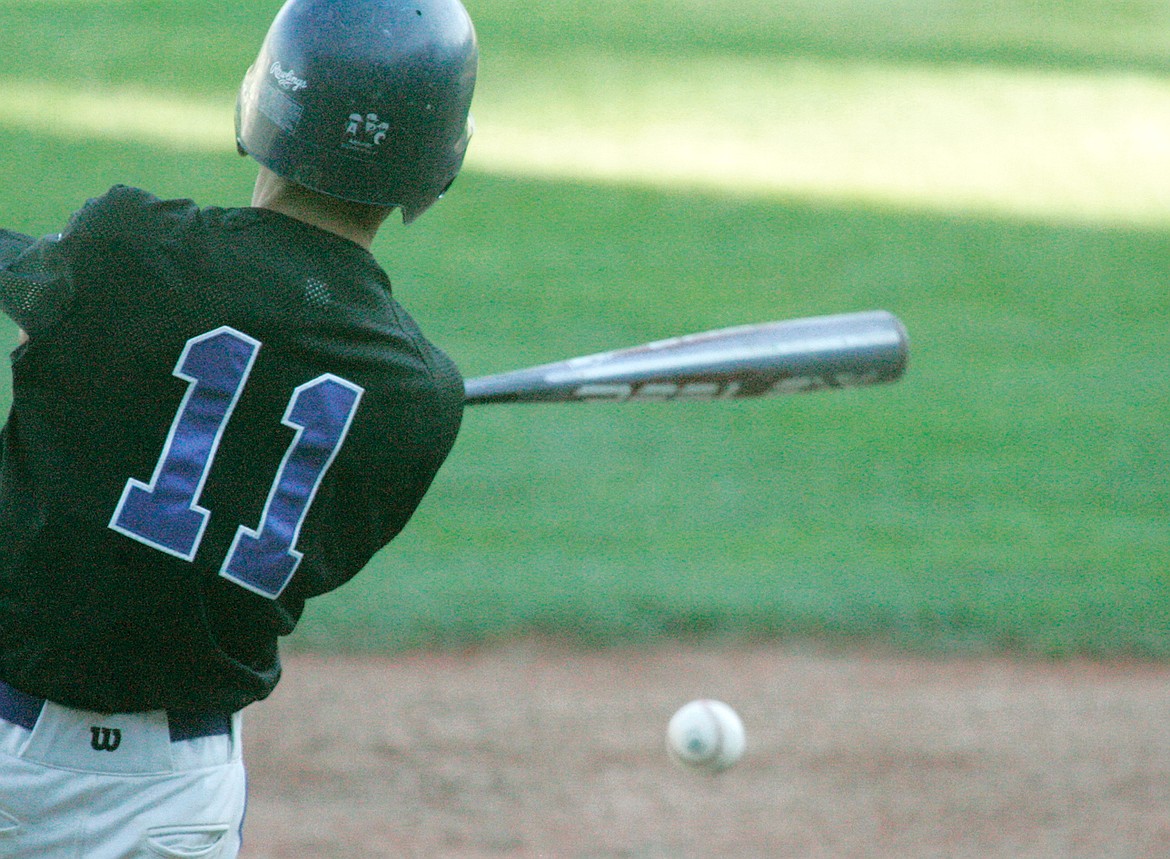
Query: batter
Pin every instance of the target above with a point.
(217, 415)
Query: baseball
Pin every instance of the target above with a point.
(705, 735)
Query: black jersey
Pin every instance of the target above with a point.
(220, 413)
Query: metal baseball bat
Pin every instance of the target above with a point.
(788, 357)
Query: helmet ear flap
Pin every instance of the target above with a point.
(409, 215)
(364, 100)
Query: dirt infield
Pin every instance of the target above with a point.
(538, 751)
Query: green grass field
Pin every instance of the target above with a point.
(997, 174)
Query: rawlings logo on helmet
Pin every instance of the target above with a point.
(287, 78)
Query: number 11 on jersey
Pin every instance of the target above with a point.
(165, 513)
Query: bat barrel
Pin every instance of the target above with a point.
(792, 356)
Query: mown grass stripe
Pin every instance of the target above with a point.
(1055, 146)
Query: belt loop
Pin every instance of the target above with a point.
(18, 707)
(188, 725)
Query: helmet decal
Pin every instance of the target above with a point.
(364, 133)
(284, 112)
(286, 79)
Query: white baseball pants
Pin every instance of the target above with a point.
(82, 785)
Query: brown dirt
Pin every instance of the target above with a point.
(539, 751)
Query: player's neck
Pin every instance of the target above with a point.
(334, 216)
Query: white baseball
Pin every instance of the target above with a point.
(706, 735)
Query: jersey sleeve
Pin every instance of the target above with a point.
(39, 277)
(11, 246)
(34, 281)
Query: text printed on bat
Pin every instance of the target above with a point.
(620, 391)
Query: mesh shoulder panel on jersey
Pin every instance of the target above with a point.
(34, 288)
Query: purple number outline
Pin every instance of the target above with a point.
(264, 559)
(165, 513)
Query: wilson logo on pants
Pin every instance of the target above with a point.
(105, 739)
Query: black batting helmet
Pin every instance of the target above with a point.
(364, 100)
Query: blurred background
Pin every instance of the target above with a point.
(996, 173)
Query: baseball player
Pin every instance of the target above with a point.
(217, 414)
